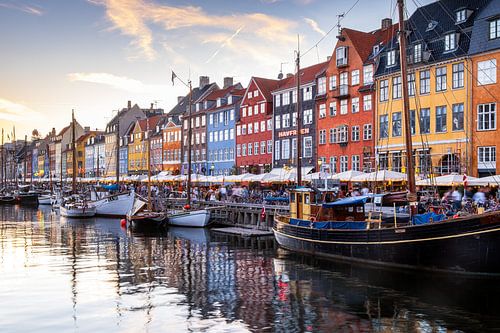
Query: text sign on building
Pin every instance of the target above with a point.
(292, 132)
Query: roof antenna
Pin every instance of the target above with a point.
(280, 75)
(339, 19)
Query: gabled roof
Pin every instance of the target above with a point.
(265, 86)
(220, 93)
(307, 75)
(233, 92)
(153, 121)
(198, 92)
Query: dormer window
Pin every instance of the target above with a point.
(219, 102)
(391, 58)
(417, 53)
(450, 42)
(198, 106)
(461, 16)
(230, 99)
(341, 56)
(495, 28)
(376, 49)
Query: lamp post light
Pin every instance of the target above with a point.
(212, 169)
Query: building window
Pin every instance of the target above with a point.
(294, 96)
(277, 122)
(256, 127)
(384, 126)
(308, 117)
(322, 111)
(450, 42)
(495, 29)
(333, 109)
(262, 108)
(322, 137)
(486, 117)
(243, 112)
(277, 151)
(367, 74)
(367, 102)
(238, 150)
(333, 135)
(425, 121)
(250, 128)
(355, 105)
(307, 93)
(458, 75)
(250, 109)
(461, 16)
(269, 124)
(411, 84)
(286, 98)
(250, 149)
(269, 146)
(250, 94)
(441, 119)
(396, 161)
(277, 100)
(441, 79)
(341, 53)
(396, 124)
(367, 131)
(487, 72)
(333, 163)
(256, 148)
(425, 82)
(262, 125)
(355, 162)
(487, 157)
(343, 134)
(322, 85)
(243, 150)
(355, 77)
(391, 58)
(383, 161)
(333, 82)
(343, 164)
(262, 147)
(417, 53)
(308, 148)
(458, 117)
(294, 148)
(286, 120)
(343, 106)
(355, 133)
(396, 87)
(384, 90)
(412, 122)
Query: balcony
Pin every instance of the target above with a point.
(342, 92)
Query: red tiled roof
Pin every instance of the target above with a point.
(363, 42)
(266, 86)
(153, 121)
(307, 74)
(223, 92)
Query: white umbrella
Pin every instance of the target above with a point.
(447, 180)
(380, 176)
(347, 176)
(484, 181)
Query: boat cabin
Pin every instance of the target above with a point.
(316, 206)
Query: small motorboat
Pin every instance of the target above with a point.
(142, 217)
(77, 208)
(189, 218)
(45, 199)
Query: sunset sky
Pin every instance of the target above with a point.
(94, 55)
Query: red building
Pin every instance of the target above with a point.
(255, 127)
(345, 101)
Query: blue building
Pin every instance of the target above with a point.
(221, 127)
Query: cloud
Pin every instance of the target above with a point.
(33, 10)
(314, 25)
(13, 111)
(223, 45)
(134, 17)
(118, 82)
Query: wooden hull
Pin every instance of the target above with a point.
(77, 212)
(27, 199)
(464, 245)
(147, 220)
(196, 218)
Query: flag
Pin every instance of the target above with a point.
(465, 180)
(173, 77)
(263, 213)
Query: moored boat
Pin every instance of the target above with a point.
(190, 218)
(117, 205)
(141, 216)
(77, 209)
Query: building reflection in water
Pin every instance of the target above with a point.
(106, 278)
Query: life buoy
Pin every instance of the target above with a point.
(313, 219)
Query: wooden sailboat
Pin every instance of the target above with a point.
(468, 244)
(76, 205)
(188, 217)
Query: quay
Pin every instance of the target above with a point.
(240, 215)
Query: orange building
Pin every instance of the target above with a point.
(485, 55)
(172, 147)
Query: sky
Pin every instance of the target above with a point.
(95, 55)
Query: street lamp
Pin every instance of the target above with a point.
(212, 168)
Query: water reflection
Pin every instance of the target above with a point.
(83, 275)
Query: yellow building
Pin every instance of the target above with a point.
(137, 149)
(80, 155)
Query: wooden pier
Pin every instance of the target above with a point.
(243, 215)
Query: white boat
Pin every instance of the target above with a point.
(189, 218)
(45, 199)
(117, 205)
(77, 209)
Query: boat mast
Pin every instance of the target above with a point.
(3, 163)
(299, 119)
(118, 148)
(189, 144)
(410, 171)
(15, 157)
(25, 156)
(149, 163)
(73, 142)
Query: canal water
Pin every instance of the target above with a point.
(63, 275)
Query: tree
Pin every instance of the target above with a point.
(35, 135)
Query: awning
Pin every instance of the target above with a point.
(351, 201)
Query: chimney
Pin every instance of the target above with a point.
(288, 75)
(129, 105)
(386, 23)
(87, 129)
(228, 82)
(204, 80)
(152, 106)
(179, 99)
